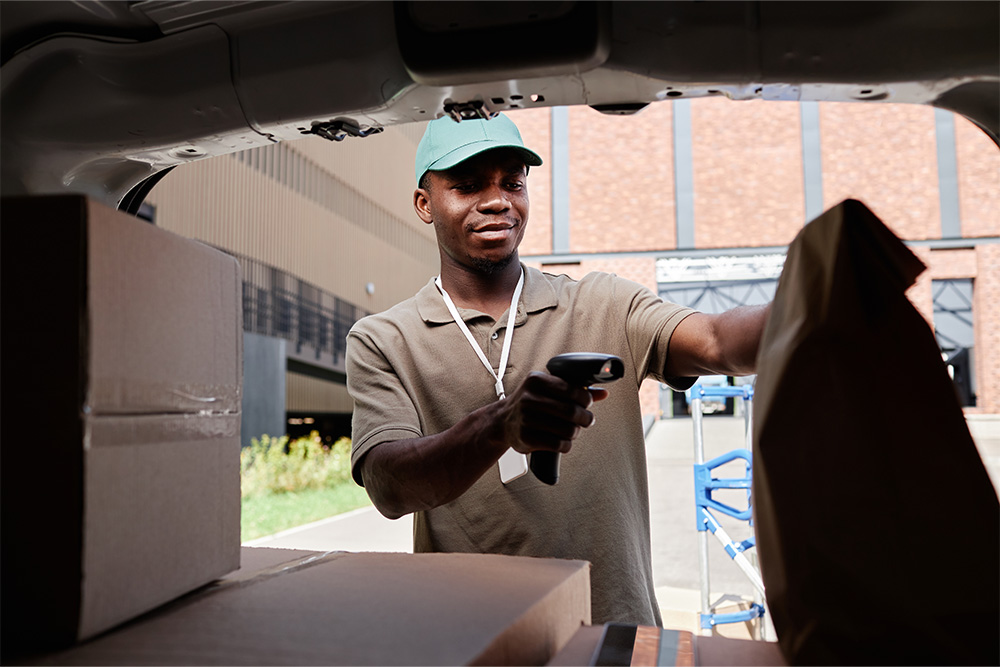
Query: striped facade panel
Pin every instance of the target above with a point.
(380, 167)
(308, 394)
(318, 221)
(412, 132)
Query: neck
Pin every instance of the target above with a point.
(487, 293)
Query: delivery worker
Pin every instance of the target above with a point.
(451, 381)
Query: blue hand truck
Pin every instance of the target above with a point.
(705, 505)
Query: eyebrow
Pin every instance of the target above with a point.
(460, 172)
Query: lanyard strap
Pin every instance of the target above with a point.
(508, 336)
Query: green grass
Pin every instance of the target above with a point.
(270, 513)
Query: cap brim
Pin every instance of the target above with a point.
(463, 153)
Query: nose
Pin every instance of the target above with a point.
(495, 199)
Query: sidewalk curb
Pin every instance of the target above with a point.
(260, 541)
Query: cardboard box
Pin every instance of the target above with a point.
(361, 609)
(122, 373)
(665, 646)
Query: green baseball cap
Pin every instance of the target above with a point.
(446, 143)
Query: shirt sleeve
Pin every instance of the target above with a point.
(650, 324)
(383, 411)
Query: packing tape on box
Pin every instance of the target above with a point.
(130, 396)
(115, 430)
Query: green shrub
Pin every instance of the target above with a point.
(277, 465)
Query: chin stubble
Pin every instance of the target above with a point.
(491, 267)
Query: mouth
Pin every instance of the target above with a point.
(494, 227)
(496, 231)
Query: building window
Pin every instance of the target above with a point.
(719, 296)
(953, 328)
(715, 284)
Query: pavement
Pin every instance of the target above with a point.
(670, 452)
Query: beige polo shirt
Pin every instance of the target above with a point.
(412, 373)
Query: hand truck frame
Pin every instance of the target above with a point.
(705, 504)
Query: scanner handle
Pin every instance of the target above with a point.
(581, 369)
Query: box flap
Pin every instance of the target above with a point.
(364, 609)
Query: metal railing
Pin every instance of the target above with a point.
(276, 303)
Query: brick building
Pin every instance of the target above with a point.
(698, 199)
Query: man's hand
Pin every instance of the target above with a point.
(545, 413)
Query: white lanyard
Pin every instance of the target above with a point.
(508, 336)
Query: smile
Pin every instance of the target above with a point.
(494, 227)
(494, 232)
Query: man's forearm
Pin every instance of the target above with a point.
(544, 412)
(724, 344)
(407, 476)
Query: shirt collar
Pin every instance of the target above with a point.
(536, 295)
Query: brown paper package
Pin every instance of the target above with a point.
(878, 527)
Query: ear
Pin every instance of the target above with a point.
(422, 205)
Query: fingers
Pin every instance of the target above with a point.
(598, 394)
(536, 440)
(551, 413)
(564, 427)
(546, 395)
(545, 385)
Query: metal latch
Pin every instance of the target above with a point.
(338, 130)
(460, 111)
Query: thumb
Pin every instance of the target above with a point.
(598, 394)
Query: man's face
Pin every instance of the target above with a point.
(479, 209)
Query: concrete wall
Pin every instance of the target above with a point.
(264, 363)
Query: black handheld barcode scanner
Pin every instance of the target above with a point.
(580, 369)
